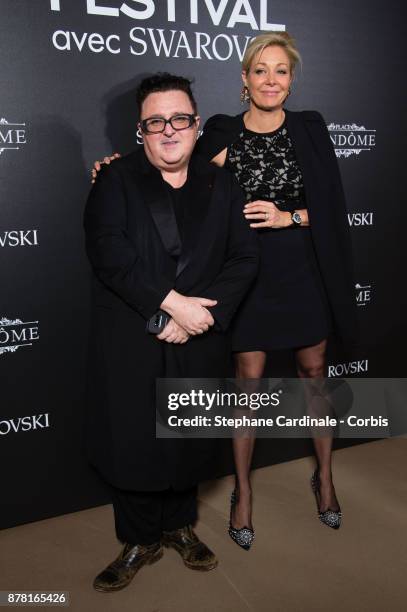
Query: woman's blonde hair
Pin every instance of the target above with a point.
(282, 39)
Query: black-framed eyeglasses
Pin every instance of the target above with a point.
(155, 125)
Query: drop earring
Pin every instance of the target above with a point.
(244, 94)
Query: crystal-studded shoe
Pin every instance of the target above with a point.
(244, 536)
(331, 518)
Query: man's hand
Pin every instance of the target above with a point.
(173, 333)
(98, 164)
(189, 312)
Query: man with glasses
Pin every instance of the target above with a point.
(172, 258)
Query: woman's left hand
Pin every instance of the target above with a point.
(268, 215)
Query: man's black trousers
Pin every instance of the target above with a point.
(141, 517)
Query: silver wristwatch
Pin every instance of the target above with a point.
(296, 219)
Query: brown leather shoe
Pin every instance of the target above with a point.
(122, 570)
(196, 554)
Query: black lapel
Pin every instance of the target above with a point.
(200, 183)
(302, 142)
(300, 139)
(159, 204)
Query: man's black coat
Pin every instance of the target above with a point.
(134, 247)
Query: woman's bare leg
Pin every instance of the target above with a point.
(248, 365)
(311, 363)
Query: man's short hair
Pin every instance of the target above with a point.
(164, 81)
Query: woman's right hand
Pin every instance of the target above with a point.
(98, 164)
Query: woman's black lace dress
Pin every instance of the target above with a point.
(286, 307)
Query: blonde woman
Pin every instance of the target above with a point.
(285, 163)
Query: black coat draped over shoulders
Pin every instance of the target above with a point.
(325, 202)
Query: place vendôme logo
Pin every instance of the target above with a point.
(12, 135)
(363, 294)
(351, 139)
(16, 334)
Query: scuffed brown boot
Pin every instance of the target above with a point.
(196, 554)
(122, 570)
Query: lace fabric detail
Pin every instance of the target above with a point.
(266, 167)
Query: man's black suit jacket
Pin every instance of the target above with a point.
(134, 247)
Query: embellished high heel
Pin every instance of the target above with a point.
(244, 536)
(331, 518)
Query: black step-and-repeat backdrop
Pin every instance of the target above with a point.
(68, 70)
